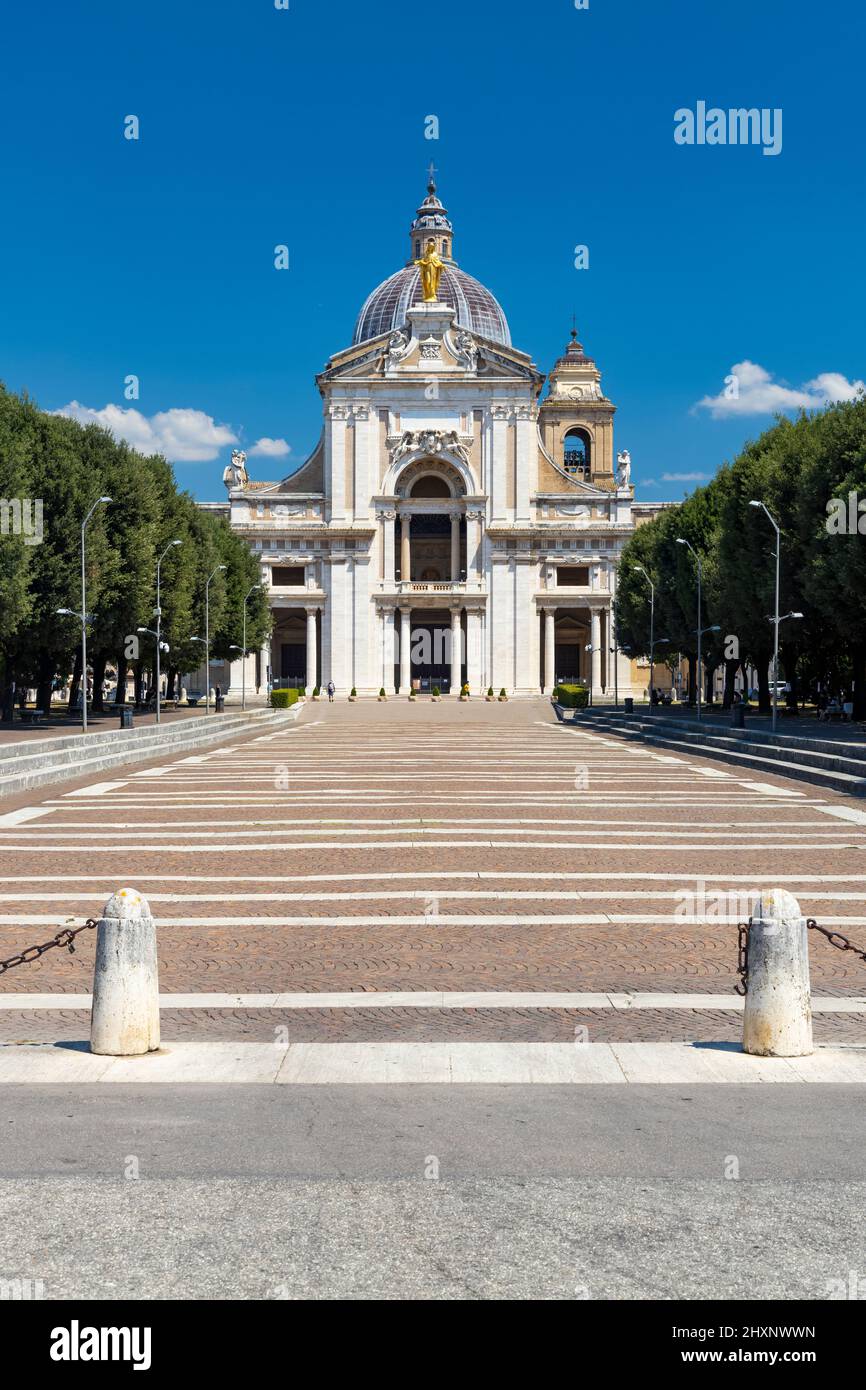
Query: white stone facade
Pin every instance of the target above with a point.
(451, 526)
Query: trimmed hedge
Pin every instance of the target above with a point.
(571, 696)
(284, 699)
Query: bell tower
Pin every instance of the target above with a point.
(576, 418)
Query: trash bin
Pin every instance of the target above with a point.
(738, 717)
(126, 719)
(220, 704)
(628, 702)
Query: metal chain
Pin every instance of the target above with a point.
(743, 957)
(63, 938)
(835, 938)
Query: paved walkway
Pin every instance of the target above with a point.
(60, 725)
(581, 885)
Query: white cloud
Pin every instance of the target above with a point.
(751, 390)
(182, 436)
(685, 477)
(271, 448)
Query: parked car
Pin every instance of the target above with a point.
(193, 696)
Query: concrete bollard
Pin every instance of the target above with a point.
(124, 1021)
(777, 1021)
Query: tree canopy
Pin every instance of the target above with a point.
(811, 475)
(65, 466)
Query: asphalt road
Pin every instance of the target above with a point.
(331, 1192)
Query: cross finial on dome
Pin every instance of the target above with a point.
(431, 177)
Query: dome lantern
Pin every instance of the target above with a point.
(475, 308)
(431, 224)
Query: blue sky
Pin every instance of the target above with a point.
(305, 126)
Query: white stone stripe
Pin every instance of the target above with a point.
(359, 826)
(27, 813)
(429, 1063)
(572, 836)
(426, 999)
(575, 843)
(424, 894)
(440, 919)
(96, 789)
(480, 875)
(845, 813)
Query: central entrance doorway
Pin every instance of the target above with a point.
(431, 650)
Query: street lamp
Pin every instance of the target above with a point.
(681, 540)
(590, 648)
(640, 570)
(158, 615)
(83, 614)
(252, 590)
(776, 619)
(160, 647)
(614, 650)
(207, 635)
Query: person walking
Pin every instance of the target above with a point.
(331, 692)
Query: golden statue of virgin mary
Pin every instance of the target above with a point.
(431, 272)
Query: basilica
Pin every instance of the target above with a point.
(460, 520)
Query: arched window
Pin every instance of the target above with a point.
(445, 248)
(417, 250)
(576, 451)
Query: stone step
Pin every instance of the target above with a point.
(823, 755)
(98, 753)
(851, 784)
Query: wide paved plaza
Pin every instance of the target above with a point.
(482, 871)
(472, 893)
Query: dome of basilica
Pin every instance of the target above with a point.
(476, 308)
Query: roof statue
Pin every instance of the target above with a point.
(431, 272)
(235, 475)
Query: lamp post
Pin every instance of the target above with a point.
(160, 645)
(83, 614)
(207, 636)
(775, 619)
(589, 648)
(640, 570)
(251, 590)
(681, 540)
(614, 651)
(158, 615)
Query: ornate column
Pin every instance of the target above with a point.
(312, 652)
(473, 545)
(336, 455)
(473, 649)
(455, 547)
(456, 650)
(405, 553)
(549, 649)
(388, 519)
(388, 647)
(595, 639)
(405, 650)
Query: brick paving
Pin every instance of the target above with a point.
(331, 854)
